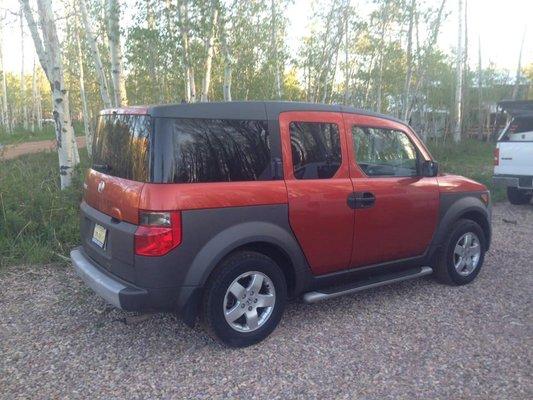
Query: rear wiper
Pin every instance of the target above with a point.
(102, 167)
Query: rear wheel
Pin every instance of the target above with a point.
(462, 255)
(518, 196)
(244, 299)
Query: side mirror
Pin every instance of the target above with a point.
(429, 168)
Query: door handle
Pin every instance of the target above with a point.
(361, 200)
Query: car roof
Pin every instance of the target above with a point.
(248, 110)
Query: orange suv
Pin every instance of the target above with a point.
(224, 211)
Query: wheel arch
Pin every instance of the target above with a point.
(266, 238)
(467, 206)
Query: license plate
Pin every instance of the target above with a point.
(99, 235)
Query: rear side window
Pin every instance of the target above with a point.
(384, 152)
(316, 149)
(217, 150)
(121, 146)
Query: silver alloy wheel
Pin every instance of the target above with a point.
(249, 301)
(467, 253)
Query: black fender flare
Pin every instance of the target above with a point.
(240, 235)
(454, 207)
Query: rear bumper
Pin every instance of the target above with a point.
(184, 300)
(517, 181)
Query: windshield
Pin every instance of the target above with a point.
(520, 129)
(121, 146)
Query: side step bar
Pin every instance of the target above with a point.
(329, 293)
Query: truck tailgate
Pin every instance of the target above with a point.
(515, 158)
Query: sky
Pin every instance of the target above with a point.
(498, 24)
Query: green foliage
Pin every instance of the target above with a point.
(470, 158)
(38, 221)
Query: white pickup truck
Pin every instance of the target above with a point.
(513, 155)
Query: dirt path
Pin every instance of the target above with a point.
(15, 150)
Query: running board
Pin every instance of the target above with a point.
(329, 293)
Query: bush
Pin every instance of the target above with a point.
(38, 221)
(471, 158)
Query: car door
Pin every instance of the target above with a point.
(396, 209)
(316, 171)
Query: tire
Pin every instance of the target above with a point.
(449, 256)
(247, 268)
(518, 196)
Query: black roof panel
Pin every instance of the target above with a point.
(259, 110)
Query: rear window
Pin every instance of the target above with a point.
(121, 146)
(520, 129)
(214, 150)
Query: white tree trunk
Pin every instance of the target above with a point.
(5, 107)
(459, 76)
(117, 77)
(409, 73)
(346, 60)
(274, 44)
(228, 59)
(210, 43)
(34, 97)
(85, 110)
(423, 64)
(24, 106)
(381, 58)
(49, 49)
(95, 55)
(38, 105)
(480, 118)
(188, 76)
(519, 68)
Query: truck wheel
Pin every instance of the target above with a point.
(244, 299)
(462, 255)
(518, 196)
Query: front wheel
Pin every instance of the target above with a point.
(518, 196)
(462, 255)
(244, 299)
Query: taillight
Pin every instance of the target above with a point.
(496, 156)
(158, 233)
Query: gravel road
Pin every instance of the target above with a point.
(416, 339)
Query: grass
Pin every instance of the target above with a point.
(470, 158)
(39, 223)
(21, 135)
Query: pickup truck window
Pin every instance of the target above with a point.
(316, 149)
(520, 129)
(384, 152)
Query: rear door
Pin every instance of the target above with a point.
(396, 209)
(112, 191)
(315, 162)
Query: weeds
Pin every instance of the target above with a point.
(38, 221)
(470, 158)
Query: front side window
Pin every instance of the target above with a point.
(384, 152)
(216, 150)
(316, 149)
